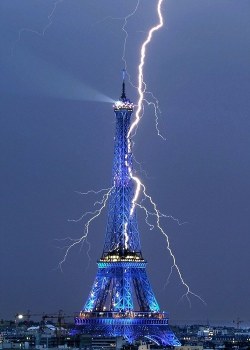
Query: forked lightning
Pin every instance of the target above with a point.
(144, 97)
(39, 33)
(140, 188)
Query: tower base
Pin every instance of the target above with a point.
(131, 326)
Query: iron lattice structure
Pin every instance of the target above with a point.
(121, 301)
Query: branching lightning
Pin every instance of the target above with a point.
(33, 31)
(141, 88)
(126, 35)
(95, 213)
(93, 191)
(161, 215)
(141, 169)
(144, 97)
(83, 238)
(141, 83)
(139, 186)
(174, 265)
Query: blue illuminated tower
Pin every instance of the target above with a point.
(121, 301)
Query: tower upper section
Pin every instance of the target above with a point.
(122, 236)
(123, 103)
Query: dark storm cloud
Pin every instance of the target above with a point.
(198, 67)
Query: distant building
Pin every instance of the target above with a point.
(106, 343)
(189, 347)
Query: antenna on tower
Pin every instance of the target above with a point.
(123, 95)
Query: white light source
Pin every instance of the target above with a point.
(118, 103)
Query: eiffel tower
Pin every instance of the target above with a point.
(121, 301)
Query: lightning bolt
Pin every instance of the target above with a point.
(83, 239)
(126, 35)
(174, 264)
(36, 32)
(139, 186)
(94, 214)
(161, 215)
(92, 191)
(142, 87)
(141, 169)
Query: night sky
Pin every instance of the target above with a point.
(56, 137)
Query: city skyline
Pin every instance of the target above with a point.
(57, 138)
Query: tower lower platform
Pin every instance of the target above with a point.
(130, 325)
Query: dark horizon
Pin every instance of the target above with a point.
(57, 129)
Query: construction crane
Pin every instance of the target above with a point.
(20, 316)
(59, 317)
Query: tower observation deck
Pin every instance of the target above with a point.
(121, 301)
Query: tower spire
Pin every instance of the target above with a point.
(123, 95)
